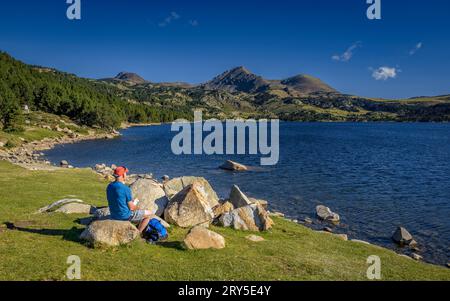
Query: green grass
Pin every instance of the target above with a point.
(291, 252)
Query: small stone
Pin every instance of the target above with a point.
(255, 238)
(277, 214)
(344, 237)
(416, 257)
(308, 221)
(64, 164)
(360, 241)
(328, 229)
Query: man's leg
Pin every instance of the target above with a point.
(144, 221)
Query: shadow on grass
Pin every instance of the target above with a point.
(70, 235)
(178, 245)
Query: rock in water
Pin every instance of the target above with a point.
(110, 233)
(255, 238)
(252, 217)
(151, 195)
(189, 207)
(238, 198)
(201, 238)
(325, 213)
(75, 208)
(175, 185)
(402, 236)
(64, 164)
(233, 166)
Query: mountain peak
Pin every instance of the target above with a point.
(130, 77)
(238, 79)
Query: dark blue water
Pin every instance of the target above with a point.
(377, 176)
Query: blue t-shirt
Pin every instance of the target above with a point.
(119, 195)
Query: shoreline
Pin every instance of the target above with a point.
(29, 155)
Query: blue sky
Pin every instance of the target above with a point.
(405, 54)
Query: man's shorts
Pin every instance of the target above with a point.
(137, 216)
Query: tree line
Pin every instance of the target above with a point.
(85, 101)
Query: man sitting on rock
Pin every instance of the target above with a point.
(121, 203)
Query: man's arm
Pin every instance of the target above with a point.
(132, 204)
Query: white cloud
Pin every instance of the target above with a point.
(348, 54)
(193, 23)
(169, 19)
(385, 73)
(416, 48)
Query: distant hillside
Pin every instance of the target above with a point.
(87, 102)
(241, 79)
(235, 93)
(307, 84)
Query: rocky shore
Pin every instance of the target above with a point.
(29, 155)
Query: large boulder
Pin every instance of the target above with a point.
(201, 238)
(190, 207)
(110, 233)
(402, 236)
(325, 213)
(151, 195)
(238, 198)
(175, 185)
(252, 217)
(233, 166)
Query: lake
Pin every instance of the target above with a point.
(377, 176)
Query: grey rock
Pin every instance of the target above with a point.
(58, 204)
(75, 208)
(190, 207)
(402, 237)
(110, 233)
(151, 196)
(238, 198)
(250, 218)
(174, 186)
(324, 213)
(233, 166)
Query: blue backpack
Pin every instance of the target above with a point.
(155, 231)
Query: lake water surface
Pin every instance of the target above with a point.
(377, 176)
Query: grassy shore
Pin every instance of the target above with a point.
(39, 249)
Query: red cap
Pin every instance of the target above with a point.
(120, 171)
